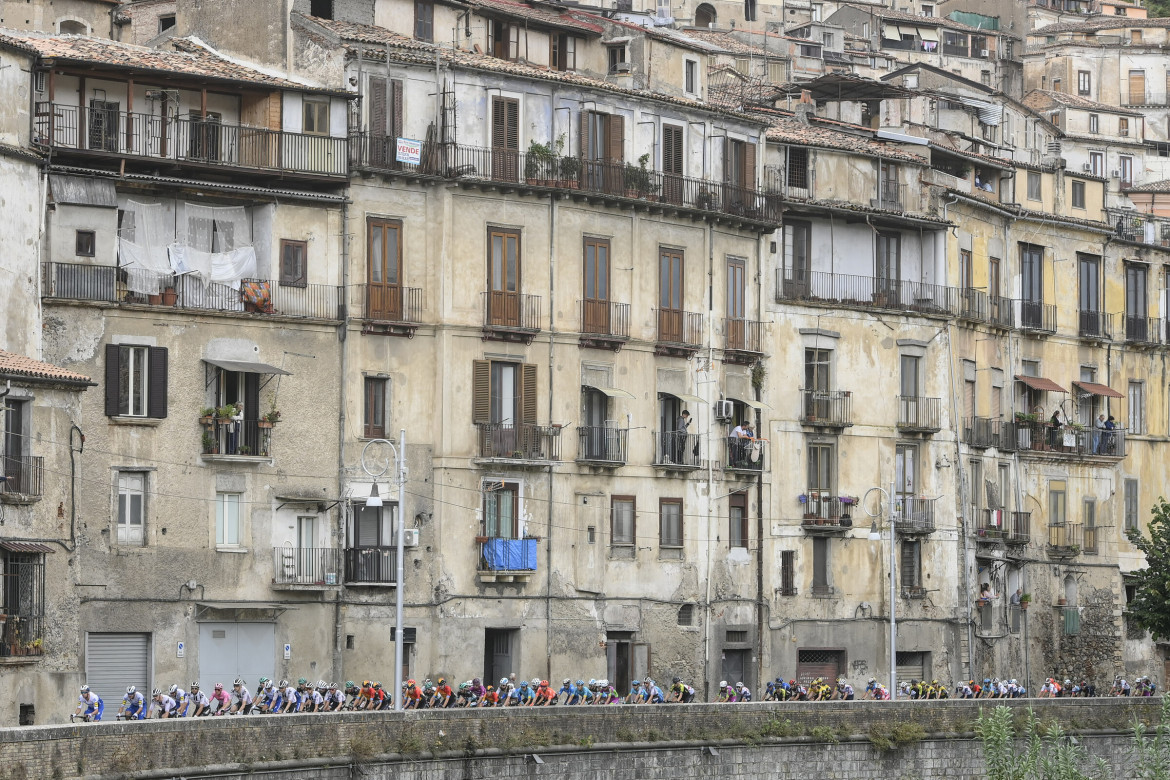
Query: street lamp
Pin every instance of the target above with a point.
(376, 464)
(875, 536)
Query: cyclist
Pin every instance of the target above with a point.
(680, 692)
(444, 697)
(133, 705)
(180, 697)
(199, 701)
(525, 694)
(566, 690)
(221, 699)
(784, 691)
(504, 691)
(412, 694)
(477, 692)
(164, 705)
(635, 694)
(843, 691)
(725, 693)
(91, 703)
(351, 693)
(335, 699)
(545, 696)
(241, 698)
(742, 693)
(576, 693)
(490, 698)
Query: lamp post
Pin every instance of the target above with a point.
(375, 500)
(875, 536)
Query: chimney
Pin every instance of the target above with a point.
(805, 107)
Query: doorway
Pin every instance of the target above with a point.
(736, 665)
(499, 653)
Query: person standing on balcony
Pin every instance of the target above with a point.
(740, 436)
(1056, 424)
(680, 435)
(1098, 436)
(235, 428)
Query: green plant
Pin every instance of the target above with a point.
(226, 411)
(208, 443)
(273, 415)
(547, 162)
(245, 449)
(207, 411)
(1151, 755)
(1152, 583)
(638, 178)
(1047, 752)
(1026, 598)
(823, 734)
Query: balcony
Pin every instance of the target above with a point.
(741, 341)
(1037, 317)
(973, 305)
(1130, 225)
(676, 451)
(107, 284)
(825, 514)
(602, 446)
(305, 568)
(1095, 325)
(890, 196)
(743, 455)
(680, 333)
(524, 443)
(372, 566)
(510, 316)
(247, 440)
(391, 310)
(1034, 436)
(1065, 540)
(1001, 312)
(998, 525)
(506, 560)
(919, 415)
(23, 480)
(1144, 331)
(916, 515)
(190, 142)
(981, 432)
(624, 183)
(22, 636)
(826, 408)
(604, 324)
(866, 292)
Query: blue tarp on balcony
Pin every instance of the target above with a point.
(509, 554)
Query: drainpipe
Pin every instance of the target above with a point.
(964, 502)
(710, 468)
(342, 506)
(761, 619)
(552, 288)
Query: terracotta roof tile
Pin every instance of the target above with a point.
(1040, 99)
(788, 130)
(730, 44)
(540, 15)
(1151, 186)
(929, 21)
(190, 57)
(12, 364)
(1108, 22)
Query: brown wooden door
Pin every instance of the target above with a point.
(736, 305)
(505, 139)
(384, 274)
(1137, 87)
(672, 164)
(670, 296)
(603, 152)
(503, 278)
(595, 304)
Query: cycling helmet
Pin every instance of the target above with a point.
(130, 689)
(322, 684)
(174, 689)
(723, 683)
(85, 689)
(523, 683)
(442, 680)
(366, 683)
(219, 686)
(302, 681)
(477, 681)
(603, 683)
(349, 684)
(535, 682)
(592, 681)
(410, 683)
(239, 681)
(284, 683)
(503, 681)
(676, 680)
(580, 683)
(544, 683)
(739, 685)
(636, 682)
(195, 685)
(156, 692)
(377, 686)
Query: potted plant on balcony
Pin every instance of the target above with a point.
(270, 418)
(1025, 601)
(209, 447)
(169, 296)
(544, 165)
(223, 415)
(638, 180)
(207, 415)
(244, 449)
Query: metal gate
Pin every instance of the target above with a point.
(811, 664)
(912, 666)
(113, 661)
(231, 650)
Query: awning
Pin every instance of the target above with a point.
(612, 392)
(1092, 388)
(1040, 383)
(691, 399)
(246, 367)
(928, 34)
(891, 32)
(757, 405)
(25, 547)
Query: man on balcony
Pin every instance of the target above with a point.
(680, 436)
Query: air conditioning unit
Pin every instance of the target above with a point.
(39, 82)
(621, 67)
(1086, 167)
(1116, 174)
(410, 537)
(984, 53)
(724, 410)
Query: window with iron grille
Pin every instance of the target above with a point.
(737, 636)
(910, 570)
(22, 598)
(1131, 504)
(686, 615)
(788, 573)
(798, 167)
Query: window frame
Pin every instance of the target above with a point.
(123, 500)
(224, 500)
(664, 541)
(691, 76)
(910, 576)
(514, 488)
(1077, 194)
(85, 243)
(615, 55)
(424, 20)
(1084, 83)
(1035, 193)
(630, 539)
(738, 533)
(1123, 126)
(1096, 164)
(1135, 408)
(134, 375)
(788, 572)
(821, 548)
(1094, 124)
(1057, 502)
(374, 407)
(320, 106)
(300, 278)
(1130, 499)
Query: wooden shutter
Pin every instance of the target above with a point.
(672, 151)
(615, 144)
(748, 179)
(505, 123)
(396, 108)
(156, 399)
(727, 177)
(586, 128)
(378, 124)
(113, 377)
(513, 123)
(528, 397)
(481, 391)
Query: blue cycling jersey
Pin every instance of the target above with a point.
(93, 704)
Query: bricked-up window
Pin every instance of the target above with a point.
(86, 243)
(1131, 505)
(136, 381)
(293, 263)
(424, 20)
(623, 519)
(788, 573)
(670, 522)
(374, 415)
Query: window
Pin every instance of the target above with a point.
(1057, 85)
(166, 22)
(501, 510)
(227, 519)
(1057, 502)
(889, 263)
(691, 77)
(131, 506)
(1078, 194)
(86, 243)
(563, 52)
(777, 74)
(1123, 125)
(737, 534)
(822, 467)
(136, 381)
(623, 521)
(22, 597)
(1094, 123)
(1136, 408)
(821, 586)
(424, 20)
(384, 270)
(910, 368)
(1089, 521)
(788, 573)
(1084, 82)
(1097, 164)
(374, 416)
(1131, 505)
(503, 282)
(617, 59)
(503, 40)
(322, 9)
(1137, 88)
(686, 615)
(928, 10)
(504, 407)
(670, 522)
(1034, 185)
(965, 270)
(316, 120)
(910, 566)
(742, 65)
(827, 40)
(1126, 171)
(985, 77)
(293, 272)
(905, 471)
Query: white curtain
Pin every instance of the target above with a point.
(216, 245)
(143, 237)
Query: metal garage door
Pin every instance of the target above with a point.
(912, 666)
(113, 661)
(231, 650)
(811, 664)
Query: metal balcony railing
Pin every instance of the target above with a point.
(1130, 225)
(864, 292)
(1144, 330)
(376, 565)
(740, 335)
(919, 414)
(602, 444)
(825, 513)
(684, 328)
(306, 566)
(522, 441)
(999, 524)
(982, 431)
(1037, 317)
(973, 305)
(890, 196)
(188, 140)
(1065, 536)
(246, 438)
(916, 514)
(1001, 311)
(22, 635)
(569, 173)
(1040, 436)
(393, 304)
(743, 454)
(677, 450)
(503, 310)
(23, 475)
(826, 408)
(609, 320)
(1095, 325)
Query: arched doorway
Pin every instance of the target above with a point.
(705, 15)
